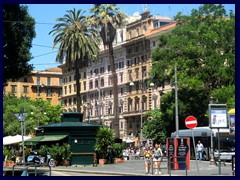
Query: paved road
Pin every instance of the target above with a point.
(136, 168)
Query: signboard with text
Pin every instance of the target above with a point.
(218, 116)
(178, 149)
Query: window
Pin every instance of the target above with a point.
(154, 43)
(74, 88)
(130, 105)
(49, 92)
(121, 125)
(25, 89)
(109, 80)
(70, 88)
(90, 85)
(102, 82)
(129, 62)
(122, 91)
(144, 29)
(84, 85)
(60, 92)
(116, 66)
(121, 77)
(38, 80)
(70, 101)
(110, 93)
(65, 90)
(130, 34)
(136, 104)
(121, 35)
(137, 73)
(96, 71)
(60, 81)
(96, 83)
(13, 88)
(48, 81)
(84, 75)
(137, 31)
(109, 68)
(70, 78)
(101, 70)
(136, 60)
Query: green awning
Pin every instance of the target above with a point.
(45, 138)
(33, 141)
(52, 138)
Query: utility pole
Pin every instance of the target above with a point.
(176, 103)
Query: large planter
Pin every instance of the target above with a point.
(9, 163)
(102, 161)
(118, 160)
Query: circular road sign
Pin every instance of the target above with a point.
(191, 122)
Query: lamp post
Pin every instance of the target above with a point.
(211, 150)
(142, 80)
(21, 117)
(176, 102)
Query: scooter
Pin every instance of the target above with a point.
(36, 159)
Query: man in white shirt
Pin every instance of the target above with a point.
(199, 150)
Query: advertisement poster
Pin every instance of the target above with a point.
(232, 124)
(178, 151)
(219, 118)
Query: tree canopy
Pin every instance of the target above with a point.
(39, 112)
(18, 33)
(203, 48)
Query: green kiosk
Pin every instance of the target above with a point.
(81, 136)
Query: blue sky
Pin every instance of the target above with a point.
(45, 15)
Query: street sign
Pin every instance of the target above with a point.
(191, 122)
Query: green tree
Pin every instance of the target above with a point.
(78, 43)
(155, 127)
(39, 112)
(203, 47)
(18, 33)
(107, 17)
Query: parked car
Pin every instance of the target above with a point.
(225, 154)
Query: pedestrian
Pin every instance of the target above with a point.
(157, 158)
(147, 159)
(199, 150)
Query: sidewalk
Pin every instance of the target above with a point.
(136, 168)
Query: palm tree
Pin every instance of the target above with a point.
(78, 43)
(107, 17)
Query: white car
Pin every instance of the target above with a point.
(225, 154)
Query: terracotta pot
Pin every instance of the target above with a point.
(9, 163)
(118, 160)
(102, 161)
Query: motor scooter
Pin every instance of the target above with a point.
(37, 159)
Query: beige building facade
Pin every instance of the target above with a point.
(45, 84)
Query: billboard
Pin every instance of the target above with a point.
(178, 150)
(218, 116)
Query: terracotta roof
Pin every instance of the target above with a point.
(163, 28)
(54, 70)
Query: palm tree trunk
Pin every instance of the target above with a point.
(77, 75)
(115, 91)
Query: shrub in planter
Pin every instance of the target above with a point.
(104, 139)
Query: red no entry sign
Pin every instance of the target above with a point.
(191, 122)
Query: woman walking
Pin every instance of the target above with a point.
(157, 158)
(147, 159)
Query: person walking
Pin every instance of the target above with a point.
(147, 159)
(157, 158)
(199, 150)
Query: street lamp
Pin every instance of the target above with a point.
(142, 89)
(211, 150)
(21, 117)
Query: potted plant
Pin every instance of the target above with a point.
(117, 149)
(56, 152)
(104, 139)
(66, 155)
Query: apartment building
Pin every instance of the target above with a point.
(46, 84)
(132, 54)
